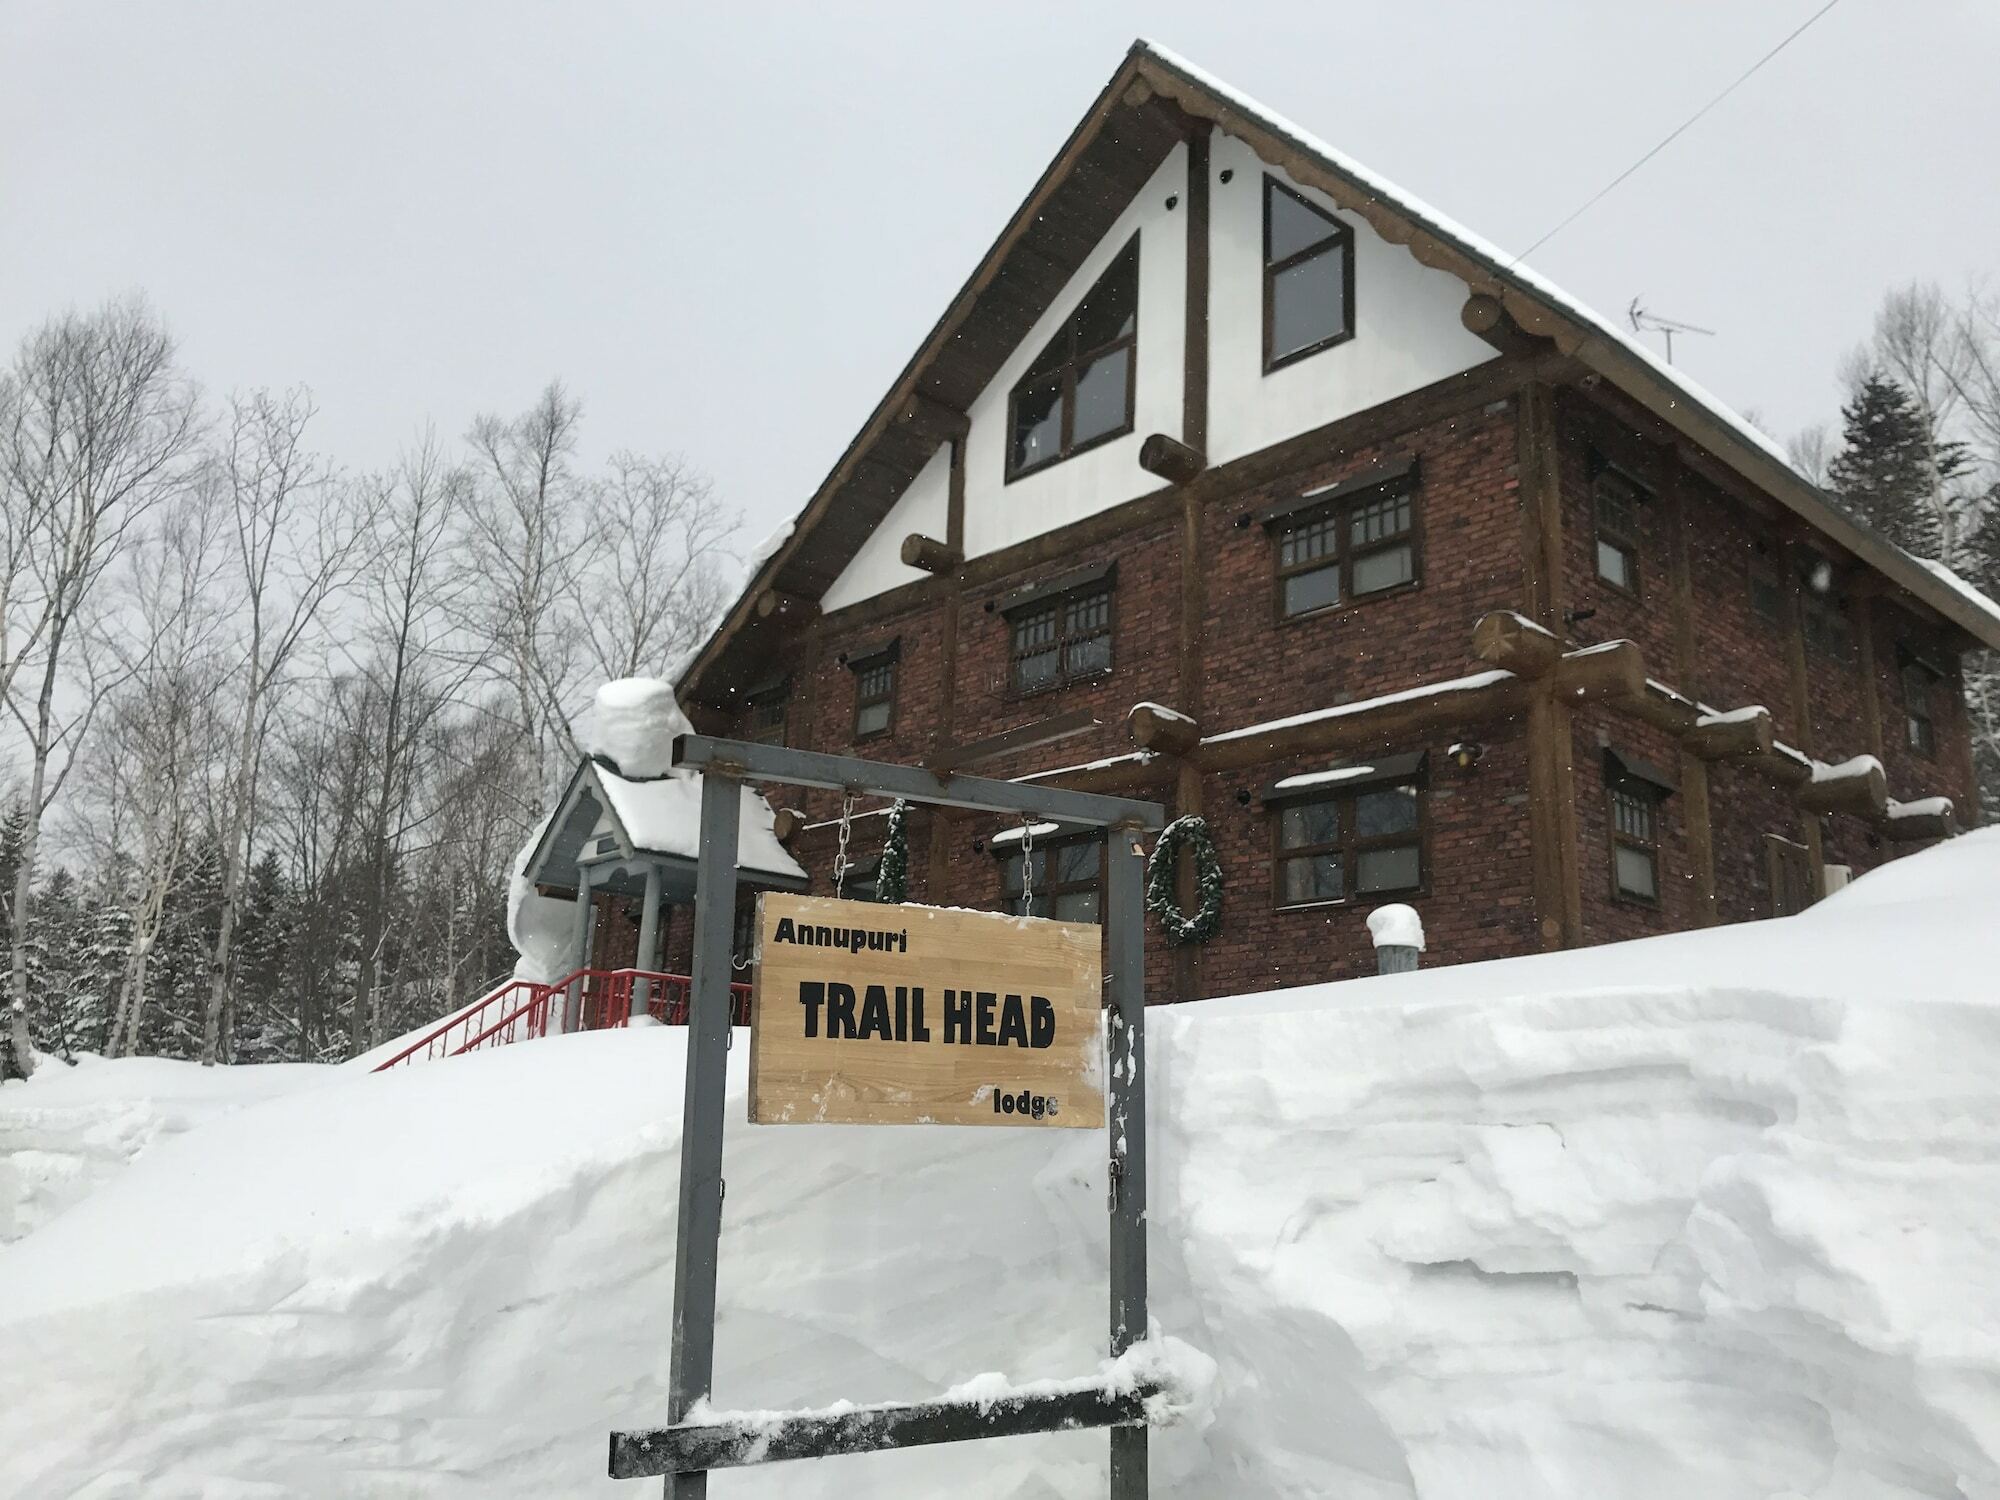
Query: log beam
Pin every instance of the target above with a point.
(1161, 730)
(1752, 735)
(1901, 826)
(1515, 644)
(787, 824)
(1357, 728)
(1171, 459)
(1616, 670)
(776, 604)
(1856, 786)
(930, 554)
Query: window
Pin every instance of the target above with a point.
(1061, 640)
(1308, 278)
(1360, 539)
(766, 720)
(874, 693)
(1767, 589)
(1359, 840)
(1919, 726)
(1066, 878)
(1635, 840)
(1079, 391)
(1620, 510)
(1822, 612)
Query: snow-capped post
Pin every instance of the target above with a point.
(1399, 937)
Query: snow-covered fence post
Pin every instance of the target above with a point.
(1399, 937)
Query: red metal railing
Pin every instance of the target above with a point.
(596, 999)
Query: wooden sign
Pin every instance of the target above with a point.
(868, 1014)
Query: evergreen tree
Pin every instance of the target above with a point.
(1883, 475)
(264, 1026)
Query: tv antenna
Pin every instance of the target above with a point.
(1644, 321)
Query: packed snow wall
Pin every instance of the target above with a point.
(1713, 1215)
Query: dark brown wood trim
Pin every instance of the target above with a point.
(1194, 343)
(1078, 358)
(1698, 824)
(1027, 736)
(1171, 459)
(1871, 699)
(1795, 662)
(1536, 455)
(1552, 832)
(1680, 580)
(1394, 476)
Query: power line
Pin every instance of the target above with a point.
(1676, 132)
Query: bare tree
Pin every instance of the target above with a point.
(1920, 341)
(297, 537)
(1811, 450)
(97, 427)
(664, 533)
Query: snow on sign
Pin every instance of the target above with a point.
(867, 1014)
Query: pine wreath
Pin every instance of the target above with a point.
(1207, 919)
(892, 876)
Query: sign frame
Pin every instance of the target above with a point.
(726, 764)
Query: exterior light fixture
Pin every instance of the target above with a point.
(1465, 754)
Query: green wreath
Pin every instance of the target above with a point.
(1207, 919)
(892, 876)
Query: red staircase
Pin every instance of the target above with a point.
(521, 1010)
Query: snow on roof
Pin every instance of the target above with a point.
(1965, 590)
(662, 815)
(1846, 770)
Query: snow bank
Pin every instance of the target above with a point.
(67, 1130)
(1712, 1215)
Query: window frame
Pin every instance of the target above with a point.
(1651, 797)
(1075, 360)
(1340, 507)
(1826, 626)
(1062, 601)
(1907, 663)
(1351, 843)
(1008, 853)
(1341, 240)
(887, 658)
(758, 702)
(1765, 570)
(1630, 543)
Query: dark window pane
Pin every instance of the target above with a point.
(1075, 862)
(1614, 564)
(872, 719)
(1087, 612)
(1295, 226)
(1379, 520)
(1308, 302)
(1308, 543)
(1037, 670)
(1111, 310)
(1092, 654)
(1310, 591)
(1388, 569)
(1010, 875)
(1076, 906)
(1315, 878)
(1637, 874)
(1391, 810)
(1100, 396)
(1387, 869)
(1632, 813)
(1304, 824)
(1038, 422)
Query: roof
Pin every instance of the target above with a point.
(1139, 116)
(652, 816)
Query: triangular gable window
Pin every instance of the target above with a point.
(1078, 392)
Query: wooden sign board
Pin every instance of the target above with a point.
(868, 1014)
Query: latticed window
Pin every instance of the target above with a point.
(1635, 839)
(1079, 390)
(1919, 727)
(1308, 277)
(1823, 613)
(1061, 640)
(767, 715)
(1366, 842)
(1767, 590)
(874, 695)
(1620, 515)
(1067, 877)
(1347, 550)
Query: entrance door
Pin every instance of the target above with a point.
(614, 932)
(1790, 869)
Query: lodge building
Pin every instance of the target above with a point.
(1237, 478)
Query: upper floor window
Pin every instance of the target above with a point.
(1346, 541)
(1767, 587)
(1618, 503)
(1057, 877)
(766, 719)
(1352, 830)
(1079, 391)
(1635, 791)
(1919, 680)
(1823, 612)
(874, 692)
(1059, 632)
(1308, 277)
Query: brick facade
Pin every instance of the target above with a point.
(1478, 898)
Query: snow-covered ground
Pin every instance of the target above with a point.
(1713, 1215)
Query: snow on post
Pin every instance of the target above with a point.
(1399, 937)
(633, 725)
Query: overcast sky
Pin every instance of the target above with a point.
(727, 228)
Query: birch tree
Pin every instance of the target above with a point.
(97, 428)
(664, 534)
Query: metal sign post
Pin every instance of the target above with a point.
(685, 1452)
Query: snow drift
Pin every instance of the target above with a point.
(1712, 1215)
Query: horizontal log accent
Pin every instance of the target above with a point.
(930, 554)
(696, 1447)
(1781, 766)
(1397, 720)
(1616, 669)
(1863, 792)
(1171, 459)
(1721, 739)
(776, 604)
(1663, 708)
(1028, 736)
(1514, 644)
(1909, 828)
(1162, 733)
(787, 824)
